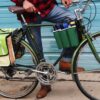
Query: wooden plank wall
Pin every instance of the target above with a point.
(9, 21)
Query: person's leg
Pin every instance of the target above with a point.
(45, 89)
(36, 31)
(58, 15)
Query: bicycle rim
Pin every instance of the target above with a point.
(24, 84)
(87, 79)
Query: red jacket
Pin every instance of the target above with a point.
(43, 6)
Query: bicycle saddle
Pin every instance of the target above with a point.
(16, 9)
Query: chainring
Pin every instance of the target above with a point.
(50, 76)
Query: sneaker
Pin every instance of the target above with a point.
(66, 67)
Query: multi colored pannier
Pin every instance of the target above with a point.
(7, 56)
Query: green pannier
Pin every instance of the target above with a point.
(6, 50)
(67, 37)
(3, 44)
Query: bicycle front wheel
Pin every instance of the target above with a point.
(22, 81)
(86, 69)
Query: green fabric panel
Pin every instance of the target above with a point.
(3, 44)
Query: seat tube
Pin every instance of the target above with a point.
(23, 19)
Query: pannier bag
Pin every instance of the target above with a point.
(19, 50)
(7, 56)
(66, 36)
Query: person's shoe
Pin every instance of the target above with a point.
(43, 91)
(66, 67)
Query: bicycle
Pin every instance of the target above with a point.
(26, 77)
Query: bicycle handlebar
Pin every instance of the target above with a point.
(80, 11)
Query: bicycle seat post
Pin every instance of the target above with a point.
(23, 19)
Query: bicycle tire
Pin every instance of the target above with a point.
(88, 79)
(19, 89)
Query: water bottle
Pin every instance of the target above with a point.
(63, 34)
(57, 30)
(57, 26)
(65, 25)
(72, 24)
(60, 26)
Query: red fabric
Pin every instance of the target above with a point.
(15, 1)
(43, 6)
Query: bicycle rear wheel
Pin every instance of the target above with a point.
(87, 80)
(22, 81)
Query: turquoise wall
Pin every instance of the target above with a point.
(9, 21)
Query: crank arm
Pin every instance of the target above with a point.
(36, 71)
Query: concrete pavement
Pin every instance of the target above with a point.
(63, 89)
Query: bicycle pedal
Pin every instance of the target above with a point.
(26, 73)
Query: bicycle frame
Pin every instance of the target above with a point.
(93, 49)
(78, 13)
(33, 42)
(30, 36)
(87, 37)
(45, 72)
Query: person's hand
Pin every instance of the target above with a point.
(29, 7)
(66, 3)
